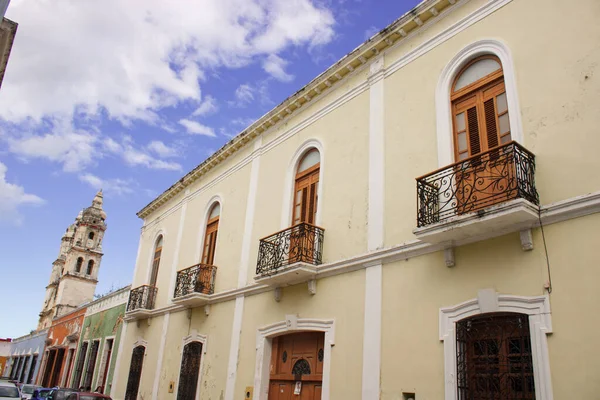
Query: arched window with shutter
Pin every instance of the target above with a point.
(210, 236)
(156, 260)
(306, 188)
(479, 107)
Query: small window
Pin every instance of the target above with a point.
(90, 267)
(91, 236)
(210, 237)
(79, 264)
(477, 70)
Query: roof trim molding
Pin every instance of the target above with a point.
(415, 19)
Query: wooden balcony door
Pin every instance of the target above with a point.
(297, 367)
(305, 210)
(481, 123)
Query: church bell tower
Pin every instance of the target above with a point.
(75, 272)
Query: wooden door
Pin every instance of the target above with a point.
(297, 362)
(481, 124)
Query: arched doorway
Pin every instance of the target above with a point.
(297, 366)
(135, 373)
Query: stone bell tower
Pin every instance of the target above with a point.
(75, 272)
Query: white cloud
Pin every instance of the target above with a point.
(207, 107)
(275, 66)
(196, 128)
(12, 197)
(244, 94)
(134, 156)
(110, 186)
(74, 150)
(134, 58)
(242, 123)
(161, 149)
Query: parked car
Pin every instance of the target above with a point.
(9, 391)
(87, 396)
(60, 394)
(27, 391)
(40, 394)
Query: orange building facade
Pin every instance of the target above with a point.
(60, 351)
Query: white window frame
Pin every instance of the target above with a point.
(290, 182)
(445, 140)
(151, 255)
(193, 337)
(103, 362)
(488, 301)
(264, 343)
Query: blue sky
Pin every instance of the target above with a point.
(128, 97)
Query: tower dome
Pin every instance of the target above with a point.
(95, 211)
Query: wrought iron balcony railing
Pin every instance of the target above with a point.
(498, 175)
(300, 243)
(199, 278)
(142, 298)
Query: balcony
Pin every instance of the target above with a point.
(141, 302)
(290, 256)
(194, 285)
(489, 194)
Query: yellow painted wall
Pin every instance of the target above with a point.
(217, 328)
(151, 333)
(345, 181)
(558, 103)
(340, 298)
(555, 60)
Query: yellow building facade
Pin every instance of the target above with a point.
(419, 221)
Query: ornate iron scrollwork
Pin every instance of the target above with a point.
(190, 369)
(301, 367)
(501, 174)
(300, 243)
(135, 373)
(199, 278)
(494, 360)
(284, 356)
(142, 298)
(320, 355)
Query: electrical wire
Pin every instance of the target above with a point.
(545, 250)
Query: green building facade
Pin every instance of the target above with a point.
(99, 342)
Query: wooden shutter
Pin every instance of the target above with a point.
(305, 197)
(210, 241)
(490, 123)
(473, 129)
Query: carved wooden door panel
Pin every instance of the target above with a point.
(297, 367)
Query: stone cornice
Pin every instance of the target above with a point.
(8, 30)
(413, 20)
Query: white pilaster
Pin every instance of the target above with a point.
(372, 321)
(161, 351)
(238, 313)
(175, 265)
